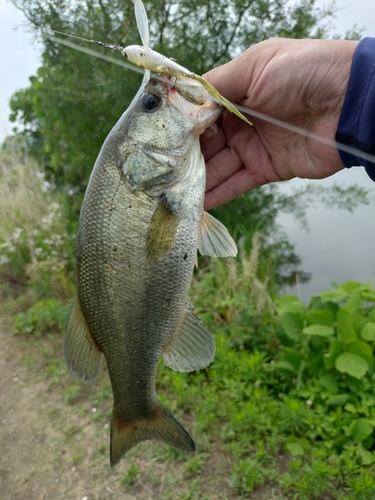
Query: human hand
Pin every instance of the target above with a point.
(301, 82)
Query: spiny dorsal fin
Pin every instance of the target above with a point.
(214, 239)
(191, 348)
(162, 232)
(82, 356)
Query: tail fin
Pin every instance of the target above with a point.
(159, 425)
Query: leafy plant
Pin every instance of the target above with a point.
(44, 316)
(328, 358)
(130, 477)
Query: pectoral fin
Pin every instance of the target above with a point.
(191, 348)
(82, 356)
(162, 232)
(214, 239)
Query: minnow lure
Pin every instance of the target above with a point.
(150, 60)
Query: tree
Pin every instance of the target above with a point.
(74, 100)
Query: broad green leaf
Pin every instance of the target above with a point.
(350, 408)
(353, 302)
(337, 399)
(328, 381)
(305, 444)
(351, 286)
(340, 442)
(369, 401)
(321, 317)
(284, 365)
(345, 330)
(335, 349)
(352, 364)
(353, 385)
(293, 305)
(371, 316)
(334, 295)
(368, 332)
(362, 349)
(321, 330)
(368, 442)
(316, 363)
(292, 325)
(287, 299)
(365, 456)
(295, 449)
(358, 322)
(368, 295)
(360, 429)
(292, 357)
(316, 303)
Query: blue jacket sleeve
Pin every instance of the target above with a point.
(356, 126)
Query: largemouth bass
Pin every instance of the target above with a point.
(141, 224)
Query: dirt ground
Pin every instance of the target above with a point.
(37, 459)
(50, 450)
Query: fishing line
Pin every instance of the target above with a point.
(93, 53)
(248, 111)
(306, 133)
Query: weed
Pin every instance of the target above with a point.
(44, 316)
(195, 466)
(130, 477)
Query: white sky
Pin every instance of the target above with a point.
(338, 247)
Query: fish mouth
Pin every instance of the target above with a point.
(189, 97)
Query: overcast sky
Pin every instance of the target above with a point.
(339, 246)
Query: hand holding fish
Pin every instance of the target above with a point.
(302, 82)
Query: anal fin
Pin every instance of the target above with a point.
(191, 348)
(214, 239)
(82, 356)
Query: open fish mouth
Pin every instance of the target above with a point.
(192, 99)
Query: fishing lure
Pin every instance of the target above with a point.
(150, 60)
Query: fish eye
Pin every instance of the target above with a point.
(150, 102)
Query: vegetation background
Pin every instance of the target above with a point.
(287, 410)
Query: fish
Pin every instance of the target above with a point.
(141, 224)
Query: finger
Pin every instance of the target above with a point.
(241, 182)
(231, 79)
(210, 132)
(212, 145)
(222, 166)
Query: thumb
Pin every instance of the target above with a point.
(232, 79)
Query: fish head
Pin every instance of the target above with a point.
(168, 109)
(158, 144)
(191, 99)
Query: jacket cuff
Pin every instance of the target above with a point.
(356, 127)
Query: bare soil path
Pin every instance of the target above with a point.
(42, 456)
(51, 450)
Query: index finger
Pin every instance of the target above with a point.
(231, 79)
